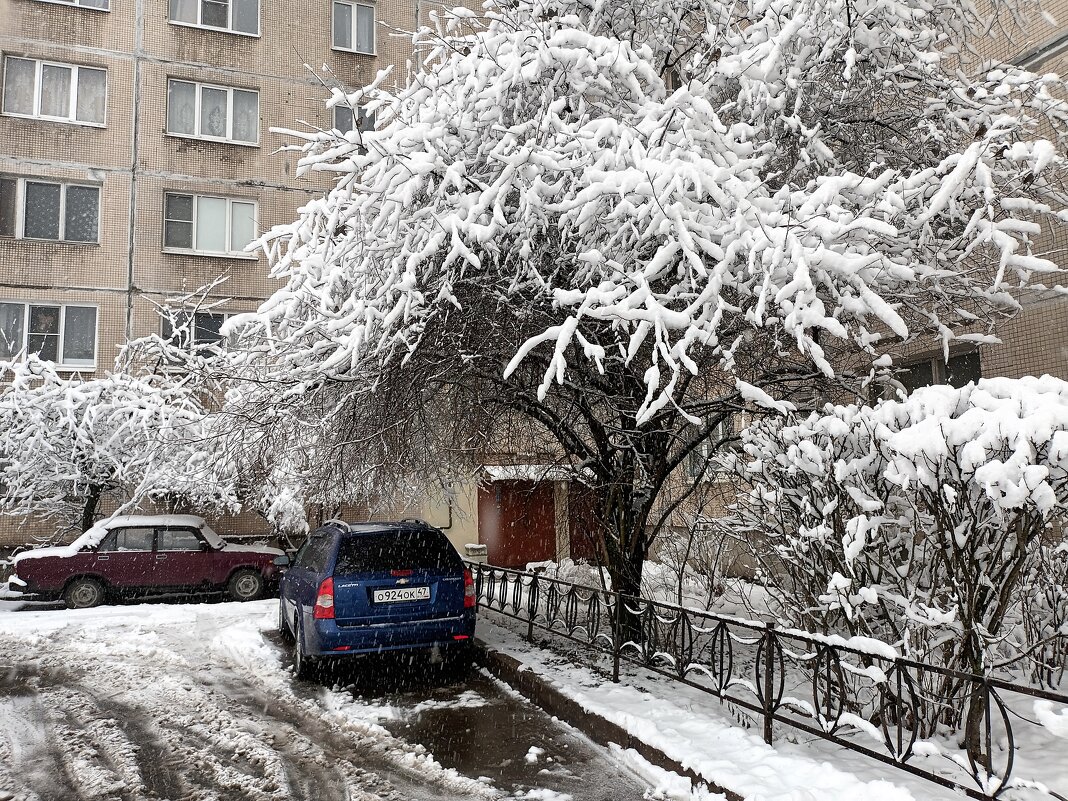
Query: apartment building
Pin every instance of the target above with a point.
(137, 160)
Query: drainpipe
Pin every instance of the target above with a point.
(139, 41)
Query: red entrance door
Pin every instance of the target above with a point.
(583, 523)
(516, 522)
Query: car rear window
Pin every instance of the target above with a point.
(398, 550)
(314, 553)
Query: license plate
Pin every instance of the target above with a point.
(396, 594)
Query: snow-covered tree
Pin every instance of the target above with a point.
(68, 444)
(622, 222)
(929, 523)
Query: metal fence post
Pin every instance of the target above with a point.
(769, 680)
(532, 606)
(617, 643)
(478, 584)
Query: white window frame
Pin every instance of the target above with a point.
(352, 31)
(20, 207)
(363, 120)
(200, 87)
(226, 254)
(72, 100)
(79, 4)
(71, 366)
(229, 20)
(190, 327)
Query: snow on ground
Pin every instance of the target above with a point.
(703, 735)
(195, 701)
(733, 596)
(187, 701)
(667, 786)
(198, 702)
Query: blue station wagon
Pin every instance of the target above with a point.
(374, 587)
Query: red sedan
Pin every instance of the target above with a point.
(143, 555)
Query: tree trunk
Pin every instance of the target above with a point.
(627, 581)
(626, 546)
(975, 727)
(92, 500)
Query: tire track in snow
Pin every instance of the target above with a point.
(408, 770)
(136, 709)
(33, 768)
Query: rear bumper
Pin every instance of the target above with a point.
(326, 638)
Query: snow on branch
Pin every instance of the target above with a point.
(672, 172)
(68, 444)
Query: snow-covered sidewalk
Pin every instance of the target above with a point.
(703, 735)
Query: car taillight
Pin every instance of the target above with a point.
(469, 590)
(324, 601)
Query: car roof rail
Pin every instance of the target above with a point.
(341, 524)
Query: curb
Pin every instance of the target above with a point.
(599, 729)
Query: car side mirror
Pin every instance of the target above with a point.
(282, 561)
(206, 546)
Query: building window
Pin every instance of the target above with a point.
(347, 118)
(236, 16)
(31, 209)
(213, 112)
(217, 226)
(51, 91)
(59, 333)
(961, 369)
(194, 330)
(698, 461)
(99, 5)
(354, 27)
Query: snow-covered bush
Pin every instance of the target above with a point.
(67, 445)
(927, 522)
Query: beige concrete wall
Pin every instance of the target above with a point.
(71, 26)
(157, 271)
(36, 142)
(1035, 31)
(1033, 343)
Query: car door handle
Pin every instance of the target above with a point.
(102, 558)
(160, 556)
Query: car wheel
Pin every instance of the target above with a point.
(83, 593)
(245, 585)
(283, 625)
(303, 665)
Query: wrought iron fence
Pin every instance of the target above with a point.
(858, 694)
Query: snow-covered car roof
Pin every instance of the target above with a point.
(152, 520)
(92, 537)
